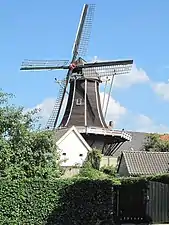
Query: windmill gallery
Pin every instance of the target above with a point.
(83, 109)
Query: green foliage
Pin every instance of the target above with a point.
(62, 201)
(55, 202)
(94, 158)
(24, 151)
(109, 170)
(163, 178)
(155, 143)
(89, 172)
(91, 168)
(30, 192)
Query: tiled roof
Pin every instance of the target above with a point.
(136, 144)
(146, 163)
(60, 132)
(164, 137)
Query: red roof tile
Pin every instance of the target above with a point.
(164, 137)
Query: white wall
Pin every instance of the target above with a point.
(108, 161)
(73, 147)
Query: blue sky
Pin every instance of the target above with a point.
(122, 29)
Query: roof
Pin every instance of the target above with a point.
(136, 144)
(66, 132)
(164, 137)
(145, 163)
(60, 132)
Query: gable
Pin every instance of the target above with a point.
(122, 168)
(72, 150)
(71, 139)
(76, 136)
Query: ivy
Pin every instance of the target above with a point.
(94, 158)
(110, 170)
(73, 201)
(163, 178)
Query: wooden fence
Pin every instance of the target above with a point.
(140, 204)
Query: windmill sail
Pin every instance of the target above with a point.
(80, 47)
(51, 124)
(44, 64)
(83, 108)
(106, 69)
(83, 31)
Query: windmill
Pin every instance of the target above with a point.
(83, 108)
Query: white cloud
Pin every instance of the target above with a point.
(143, 123)
(162, 89)
(114, 110)
(121, 117)
(136, 76)
(45, 109)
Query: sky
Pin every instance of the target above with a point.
(121, 29)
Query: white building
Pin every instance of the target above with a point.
(73, 147)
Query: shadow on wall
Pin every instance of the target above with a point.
(83, 203)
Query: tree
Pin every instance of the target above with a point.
(155, 142)
(24, 150)
(94, 158)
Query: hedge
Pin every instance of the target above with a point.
(163, 178)
(60, 202)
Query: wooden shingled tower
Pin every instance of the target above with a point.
(84, 109)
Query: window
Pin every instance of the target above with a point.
(64, 153)
(79, 101)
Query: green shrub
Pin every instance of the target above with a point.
(163, 178)
(61, 202)
(87, 171)
(93, 158)
(109, 170)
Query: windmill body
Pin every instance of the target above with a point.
(83, 108)
(83, 105)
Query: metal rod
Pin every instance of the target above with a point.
(111, 84)
(85, 112)
(74, 91)
(61, 84)
(104, 93)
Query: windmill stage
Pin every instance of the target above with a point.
(81, 84)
